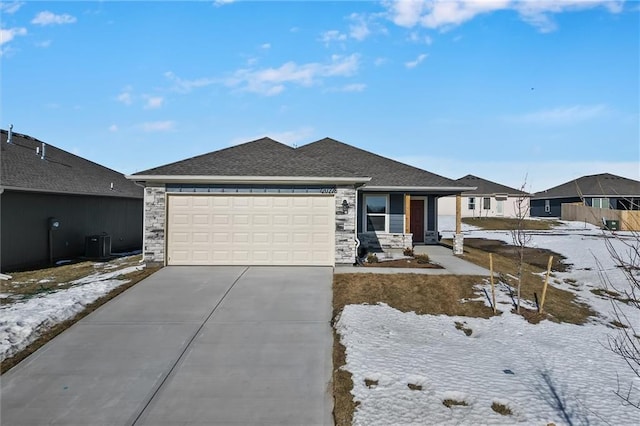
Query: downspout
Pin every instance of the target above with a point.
(355, 228)
(144, 218)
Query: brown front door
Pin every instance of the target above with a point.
(416, 224)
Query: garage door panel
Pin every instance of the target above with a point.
(251, 229)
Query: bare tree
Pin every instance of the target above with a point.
(625, 252)
(519, 235)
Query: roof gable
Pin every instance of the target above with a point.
(600, 185)
(486, 187)
(59, 172)
(384, 172)
(262, 157)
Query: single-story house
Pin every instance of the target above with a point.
(266, 203)
(51, 200)
(489, 199)
(603, 191)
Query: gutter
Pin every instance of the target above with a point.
(246, 179)
(447, 189)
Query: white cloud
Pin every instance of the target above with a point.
(158, 126)
(186, 86)
(272, 81)
(154, 102)
(44, 44)
(266, 46)
(359, 29)
(416, 62)
(331, 36)
(8, 34)
(416, 37)
(125, 96)
(562, 115)
(289, 137)
(49, 18)
(219, 3)
(354, 87)
(445, 14)
(113, 128)
(11, 8)
(380, 61)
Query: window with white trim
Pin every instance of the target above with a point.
(547, 206)
(471, 203)
(600, 203)
(486, 203)
(376, 209)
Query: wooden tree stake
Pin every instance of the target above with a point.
(493, 290)
(546, 282)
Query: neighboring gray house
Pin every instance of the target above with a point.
(604, 191)
(265, 203)
(41, 184)
(489, 199)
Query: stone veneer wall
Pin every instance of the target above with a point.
(345, 225)
(384, 241)
(154, 223)
(155, 218)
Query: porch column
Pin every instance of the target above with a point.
(407, 213)
(458, 238)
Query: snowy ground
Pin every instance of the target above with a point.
(560, 373)
(22, 321)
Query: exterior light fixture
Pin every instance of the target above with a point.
(345, 206)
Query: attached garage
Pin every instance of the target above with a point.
(250, 229)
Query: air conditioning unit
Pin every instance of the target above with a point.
(97, 246)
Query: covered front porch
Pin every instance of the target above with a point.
(397, 220)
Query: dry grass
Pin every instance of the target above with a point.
(501, 409)
(423, 294)
(451, 402)
(503, 223)
(560, 305)
(28, 285)
(417, 262)
(31, 283)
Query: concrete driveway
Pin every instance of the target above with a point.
(188, 345)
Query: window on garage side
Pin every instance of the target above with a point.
(600, 203)
(376, 209)
(486, 203)
(471, 203)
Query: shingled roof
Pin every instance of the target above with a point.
(383, 171)
(600, 185)
(262, 157)
(487, 187)
(59, 172)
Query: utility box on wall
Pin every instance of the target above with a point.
(97, 246)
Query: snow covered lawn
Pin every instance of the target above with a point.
(25, 317)
(404, 366)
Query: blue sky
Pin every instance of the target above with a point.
(502, 89)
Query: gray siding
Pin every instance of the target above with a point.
(432, 213)
(396, 223)
(25, 217)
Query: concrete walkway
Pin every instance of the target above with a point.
(188, 345)
(443, 256)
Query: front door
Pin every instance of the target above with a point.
(500, 208)
(416, 224)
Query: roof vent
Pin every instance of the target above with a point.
(10, 133)
(112, 186)
(43, 151)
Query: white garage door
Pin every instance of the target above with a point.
(251, 230)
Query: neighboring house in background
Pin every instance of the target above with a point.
(489, 199)
(603, 191)
(265, 203)
(39, 183)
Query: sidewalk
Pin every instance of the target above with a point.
(440, 255)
